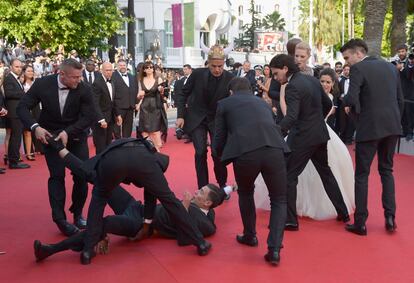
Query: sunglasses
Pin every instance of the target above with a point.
(148, 67)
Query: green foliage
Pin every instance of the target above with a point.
(247, 38)
(77, 24)
(327, 22)
(274, 22)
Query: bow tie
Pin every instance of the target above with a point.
(108, 81)
(124, 75)
(63, 88)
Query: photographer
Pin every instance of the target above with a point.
(405, 66)
(259, 78)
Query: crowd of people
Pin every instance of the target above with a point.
(284, 127)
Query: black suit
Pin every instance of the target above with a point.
(346, 127)
(106, 110)
(129, 161)
(125, 98)
(250, 76)
(205, 90)
(247, 136)
(1, 107)
(178, 89)
(93, 78)
(307, 105)
(274, 94)
(378, 104)
(13, 92)
(407, 86)
(78, 115)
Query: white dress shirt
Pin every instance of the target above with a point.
(63, 94)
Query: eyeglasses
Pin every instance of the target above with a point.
(148, 67)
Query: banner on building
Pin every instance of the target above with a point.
(177, 25)
(189, 24)
(271, 41)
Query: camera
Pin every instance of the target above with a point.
(179, 132)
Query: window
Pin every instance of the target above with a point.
(277, 7)
(240, 24)
(259, 8)
(122, 35)
(168, 35)
(240, 10)
(140, 34)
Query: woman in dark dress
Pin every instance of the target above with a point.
(152, 116)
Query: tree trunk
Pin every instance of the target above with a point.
(131, 29)
(398, 25)
(112, 42)
(375, 11)
(350, 20)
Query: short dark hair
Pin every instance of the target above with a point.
(14, 60)
(355, 44)
(90, 61)
(401, 46)
(283, 60)
(346, 65)
(216, 195)
(121, 60)
(187, 66)
(239, 84)
(291, 45)
(70, 63)
(338, 63)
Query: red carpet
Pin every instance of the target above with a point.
(320, 252)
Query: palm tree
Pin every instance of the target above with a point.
(398, 25)
(131, 28)
(375, 11)
(274, 21)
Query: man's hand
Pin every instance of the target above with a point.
(102, 247)
(104, 125)
(347, 109)
(3, 112)
(141, 94)
(42, 134)
(161, 89)
(63, 136)
(55, 144)
(187, 200)
(179, 123)
(400, 66)
(119, 120)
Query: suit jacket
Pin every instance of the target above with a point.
(250, 76)
(163, 223)
(244, 123)
(86, 79)
(376, 97)
(13, 92)
(307, 105)
(125, 97)
(105, 107)
(201, 103)
(407, 82)
(78, 113)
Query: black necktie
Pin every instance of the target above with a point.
(90, 78)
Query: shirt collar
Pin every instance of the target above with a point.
(205, 211)
(15, 76)
(289, 78)
(60, 85)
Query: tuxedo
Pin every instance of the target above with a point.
(274, 94)
(407, 86)
(76, 116)
(130, 161)
(377, 104)
(103, 94)
(1, 107)
(250, 76)
(178, 88)
(90, 77)
(125, 99)
(13, 92)
(307, 105)
(247, 136)
(346, 127)
(198, 103)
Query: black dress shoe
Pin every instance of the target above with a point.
(66, 228)
(86, 257)
(291, 226)
(344, 218)
(79, 222)
(19, 166)
(356, 229)
(203, 248)
(2, 171)
(272, 256)
(42, 251)
(248, 241)
(390, 224)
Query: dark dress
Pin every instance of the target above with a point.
(152, 115)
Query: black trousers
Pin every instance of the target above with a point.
(296, 163)
(138, 166)
(270, 162)
(15, 142)
(364, 154)
(346, 126)
(199, 138)
(56, 182)
(102, 137)
(127, 121)
(127, 221)
(407, 120)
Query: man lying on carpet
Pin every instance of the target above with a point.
(126, 161)
(129, 220)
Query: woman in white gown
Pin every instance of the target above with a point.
(312, 200)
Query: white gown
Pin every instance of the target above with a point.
(312, 200)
